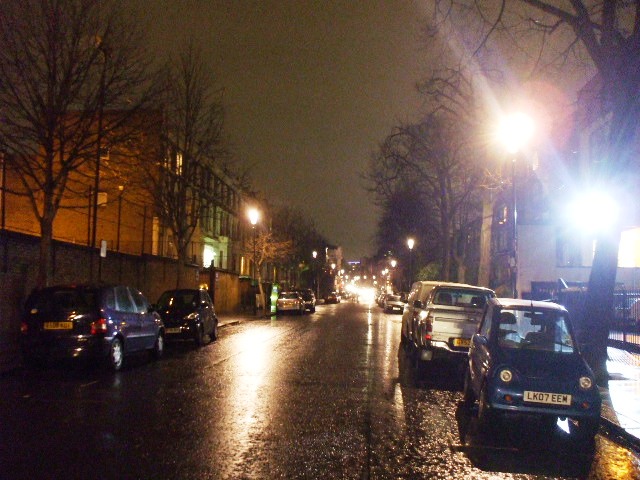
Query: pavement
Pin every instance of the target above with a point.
(621, 399)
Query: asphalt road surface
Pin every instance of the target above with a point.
(328, 395)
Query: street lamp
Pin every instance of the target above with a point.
(515, 132)
(315, 267)
(254, 215)
(410, 243)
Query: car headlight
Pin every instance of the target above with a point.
(191, 316)
(505, 375)
(585, 383)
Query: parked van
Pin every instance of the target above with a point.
(416, 300)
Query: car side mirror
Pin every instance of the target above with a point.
(480, 339)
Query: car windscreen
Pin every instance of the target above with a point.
(534, 329)
(62, 300)
(177, 300)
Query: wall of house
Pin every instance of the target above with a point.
(537, 261)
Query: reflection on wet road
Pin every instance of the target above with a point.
(329, 395)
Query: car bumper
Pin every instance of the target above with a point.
(584, 405)
(180, 332)
(75, 346)
(442, 350)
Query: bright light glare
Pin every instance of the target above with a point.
(367, 295)
(254, 215)
(593, 212)
(515, 131)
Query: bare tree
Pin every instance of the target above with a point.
(268, 249)
(435, 156)
(602, 37)
(62, 64)
(192, 126)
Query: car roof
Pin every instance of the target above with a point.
(461, 285)
(522, 303)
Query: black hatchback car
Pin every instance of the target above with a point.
(84, 321)
(188, 314)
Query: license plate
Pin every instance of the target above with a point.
(462, 342)
(58, 325)
(547, 398)
(173, 330)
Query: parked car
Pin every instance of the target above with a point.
(442, 328)
(524, 361)
(332, 297)
(415, 300)
(309, 299)
(394, 302)
(290, 302)
(188, 314)
(84, 321)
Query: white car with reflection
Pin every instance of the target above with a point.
(290, 302)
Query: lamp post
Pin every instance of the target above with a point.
(315, 268)
(516, 130)
(393, 266)
(254, 215)
(410, 244)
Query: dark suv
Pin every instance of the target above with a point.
(309, 299)
(81, 321)
(188, 314)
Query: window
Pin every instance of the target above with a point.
(123, 300)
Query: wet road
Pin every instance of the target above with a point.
(328, 395)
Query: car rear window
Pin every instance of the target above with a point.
(63, 299)
(461, 297)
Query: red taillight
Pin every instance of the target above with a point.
(99, 326)
(24, 328)
(428, 328)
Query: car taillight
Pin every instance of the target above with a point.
(99, 326)
(428, 327)
(24, 328)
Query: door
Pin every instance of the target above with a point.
(145, 318)
(129, 321)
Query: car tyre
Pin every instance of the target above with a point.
(199, 337)
(468, 398)
(115, 358)
(158, 347)
(213, 336)
(584, 431)
(486, 418)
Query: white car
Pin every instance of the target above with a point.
(290, 302)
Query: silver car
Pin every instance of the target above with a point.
(290, 302)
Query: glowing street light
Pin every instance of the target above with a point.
(515, 132)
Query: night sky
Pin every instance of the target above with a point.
(311, 88)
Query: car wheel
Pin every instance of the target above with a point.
(199, 336)
(486, 418)
(213, 336)
(116, 355)
(584, 431)
(158, 347)
(469, 398)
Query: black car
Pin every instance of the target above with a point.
(309, 299)
(84, 321)
(188, 314)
